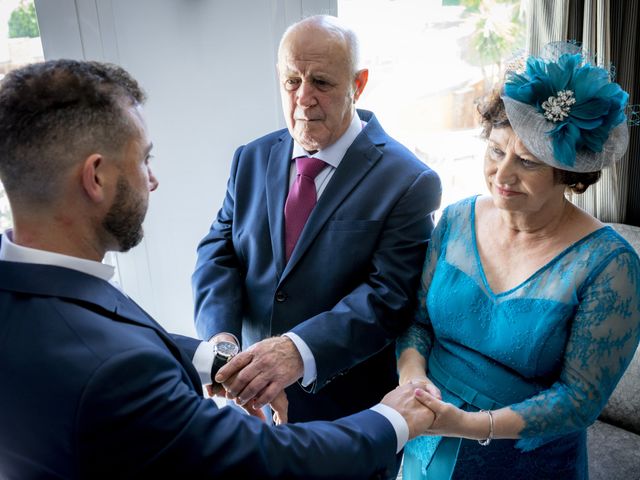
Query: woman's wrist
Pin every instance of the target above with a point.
(411, 365)
(412, 376)
(480, 426)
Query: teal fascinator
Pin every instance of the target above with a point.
(567, 112)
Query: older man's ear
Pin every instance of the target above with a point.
(361, 81)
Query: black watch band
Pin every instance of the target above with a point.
(223, 351)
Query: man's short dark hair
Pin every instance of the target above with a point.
(53, 115)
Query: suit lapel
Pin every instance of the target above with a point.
(276, 182)
(361, 156)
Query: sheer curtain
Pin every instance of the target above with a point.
(609, 30)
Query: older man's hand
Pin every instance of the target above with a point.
(412, 407)
(261, 372)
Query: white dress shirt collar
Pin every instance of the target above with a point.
(12, 252)
(334, 153)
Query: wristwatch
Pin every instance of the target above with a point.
(222, 352)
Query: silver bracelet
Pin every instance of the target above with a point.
(487, 440)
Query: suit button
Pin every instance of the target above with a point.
(281, 296)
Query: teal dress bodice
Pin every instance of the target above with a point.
(552, 348)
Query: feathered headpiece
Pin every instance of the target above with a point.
(567, 112)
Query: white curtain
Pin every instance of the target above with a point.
(546, 21)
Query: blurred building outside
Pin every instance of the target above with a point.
(429, 62)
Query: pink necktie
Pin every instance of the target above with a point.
(301, 200)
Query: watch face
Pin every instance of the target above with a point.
(226, 349)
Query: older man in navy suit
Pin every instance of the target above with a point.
(92, 387)
(319, 303)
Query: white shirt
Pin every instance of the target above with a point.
(11, 252)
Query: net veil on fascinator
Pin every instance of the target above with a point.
(567, 112)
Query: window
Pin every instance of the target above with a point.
(19, 45)
(429, 61)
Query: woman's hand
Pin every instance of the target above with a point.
(411, 369)
(449, 420)
(423, 382)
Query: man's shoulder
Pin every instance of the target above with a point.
(394, 151)
(404, 162)
(261, 148)
(268, 140)
(63, 300)
(405, 154)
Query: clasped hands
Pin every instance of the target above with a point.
(447, 419)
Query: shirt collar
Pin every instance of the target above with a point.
(12, 252)
(334, 153)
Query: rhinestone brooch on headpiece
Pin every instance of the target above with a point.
(557, 108)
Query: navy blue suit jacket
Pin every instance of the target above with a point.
(92, 387)
(348, 289)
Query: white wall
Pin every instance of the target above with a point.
(208, 67)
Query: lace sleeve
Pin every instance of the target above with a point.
(419, 335)
(603, 339)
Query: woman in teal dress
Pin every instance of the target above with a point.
(529, 308)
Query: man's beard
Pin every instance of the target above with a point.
(124, 219)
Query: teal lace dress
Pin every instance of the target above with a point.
(552, 349)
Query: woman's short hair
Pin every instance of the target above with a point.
(493, 115)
